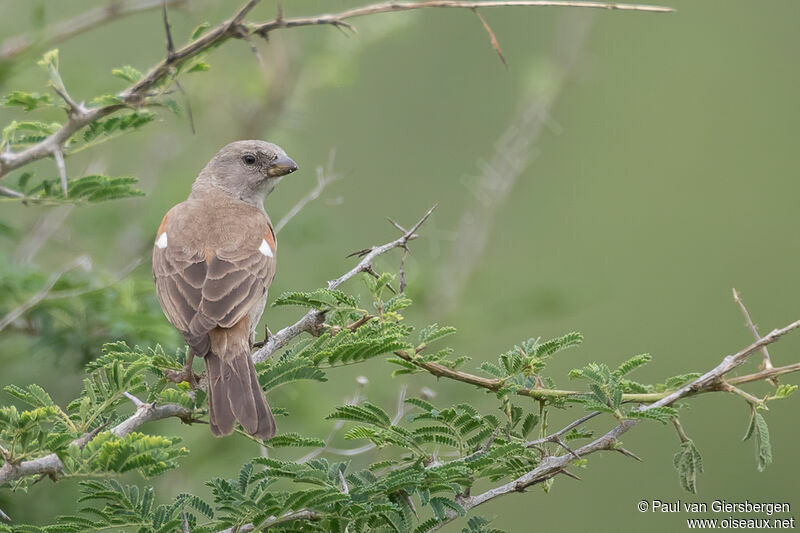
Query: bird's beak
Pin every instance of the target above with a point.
(281, 166)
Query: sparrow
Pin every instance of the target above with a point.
(214, 259)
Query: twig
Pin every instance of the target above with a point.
(679, 429)
(749, 398)
(65, 29)
(767, 364)
(138, 93)
(82, 262)
(51, 465)
(563, 430)
(313, 320)
(551, 466)
(170, 54)
(708, 382)
(10, 193)
(325, 176)
(338, 19)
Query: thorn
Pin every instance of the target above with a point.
(492, 36)
(242, 13)
(359, 253)
(343, 483)
(396, 225)
(136, 401)
(629, 453)
(569, 474)
(561, 443)
(410, 233)
(170, 44)
(4, 516)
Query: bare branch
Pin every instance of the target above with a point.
(767, 364)
(338, 19)
(138, 93)
(10, 193)
(557, 434)
(52, 466)
(88, 20)
(312, 321)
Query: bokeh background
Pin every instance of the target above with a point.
(618, 178)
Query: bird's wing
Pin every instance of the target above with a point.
(200, 289)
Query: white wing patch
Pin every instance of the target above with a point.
(265, 248)
(162, 240)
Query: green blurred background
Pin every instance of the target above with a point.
(664, 174)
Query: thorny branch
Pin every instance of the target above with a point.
(79, 116)
(88, 20)
(767, 364)
(551, 466)
(52, 466)
(312, 321)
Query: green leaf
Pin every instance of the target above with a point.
(321, 299)
(127, 73)
(758, 427)
(632, 364)
(200, 30)
(294, 440)
(198, 66)
(434, 332)
(93, 188)
(688, 463)
(660, 414)
(27, 101)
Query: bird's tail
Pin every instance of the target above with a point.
(233, 389)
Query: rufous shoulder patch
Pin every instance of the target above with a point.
(161, 236)
(270, 238)
(163, 225)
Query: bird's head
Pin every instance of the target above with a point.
(248, 170)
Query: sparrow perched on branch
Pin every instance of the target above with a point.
(213, 261)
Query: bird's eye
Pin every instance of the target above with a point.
(249, 159)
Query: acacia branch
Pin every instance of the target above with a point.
(708, 382)
(337, 19)
(51, 465)
(236, 27)
(551, 466)
(313, 320)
